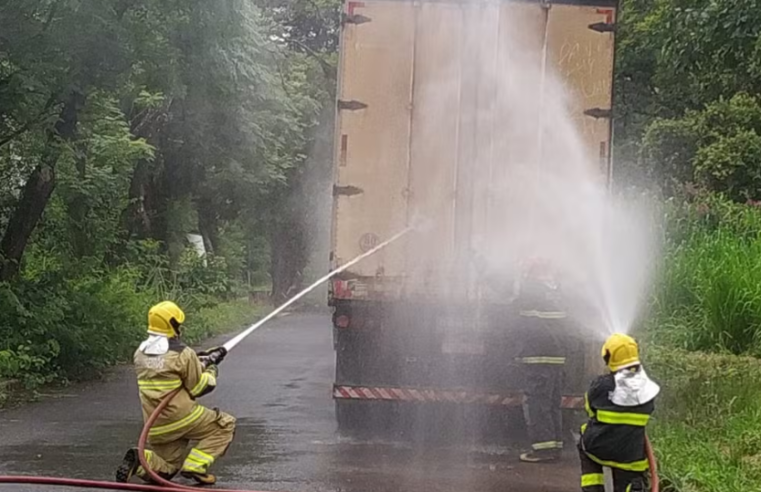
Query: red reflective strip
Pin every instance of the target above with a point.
(353, 5)
(572, 402)
(376, 393)
(608, 13)
(433, 395)
(342, 390)
(399, 394)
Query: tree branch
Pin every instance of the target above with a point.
(45, 113)
(327, 68)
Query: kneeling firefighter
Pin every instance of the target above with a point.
(543, 323)
(163, 364)
(619, 405)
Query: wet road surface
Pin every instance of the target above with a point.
(278, 384)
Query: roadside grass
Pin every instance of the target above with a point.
(707, 428)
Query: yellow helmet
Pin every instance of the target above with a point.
(620, 351)
(165, 319)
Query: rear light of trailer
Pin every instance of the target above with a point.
(342, 321)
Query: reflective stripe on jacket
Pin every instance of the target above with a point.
(614, 436)
(158, 375)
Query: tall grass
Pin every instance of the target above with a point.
(704, 334)
(709, 294)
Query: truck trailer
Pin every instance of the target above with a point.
(428, 96)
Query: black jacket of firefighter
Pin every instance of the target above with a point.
(614, 436)
(541, 323)
(539, 312)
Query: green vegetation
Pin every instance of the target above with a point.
(707, 434)
(688, 127)
(703, 343)
(167, 118)
(125, 127)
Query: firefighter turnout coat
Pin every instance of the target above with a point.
(614, 436)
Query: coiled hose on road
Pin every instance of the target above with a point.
(167, 486)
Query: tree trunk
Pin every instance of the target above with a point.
(135, 219)
(208, 225)
(288, 259)
(37, 189)
(78, 211)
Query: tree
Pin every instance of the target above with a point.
(52, 66)
(718, 147)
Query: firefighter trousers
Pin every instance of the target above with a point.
(593, 480)
(542, 406)
(212, 433)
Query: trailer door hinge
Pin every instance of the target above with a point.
(598, 113)
(602, 27)
(355, 19)
(351, 105)
(346, 190)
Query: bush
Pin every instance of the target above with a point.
(64, 327)
(223, 318)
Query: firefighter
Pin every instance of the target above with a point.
(543, 324)
(163, 364)
(619, 405)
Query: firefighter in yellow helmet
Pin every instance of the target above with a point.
(163, 364)
(619, 405)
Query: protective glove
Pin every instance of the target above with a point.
(212, 356)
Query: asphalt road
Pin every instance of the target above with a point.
(277, 383)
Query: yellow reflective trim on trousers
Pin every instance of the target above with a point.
(622, 418)
(592, 479)
(543, 314)
(583, 428)
(159, 384)
(193, 467)
(183, 422)
(194, 460)
(587, 406)
(542, 360)
(207, 458)
(538, 446)
(635, 466)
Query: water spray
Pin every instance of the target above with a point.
(237, 339)
(163, 484)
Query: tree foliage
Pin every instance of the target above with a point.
(687, 87)
(125, 126)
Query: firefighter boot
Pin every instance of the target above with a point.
(129, 467)
(200, 478)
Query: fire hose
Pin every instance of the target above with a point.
(654, 481)
(168, 486)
